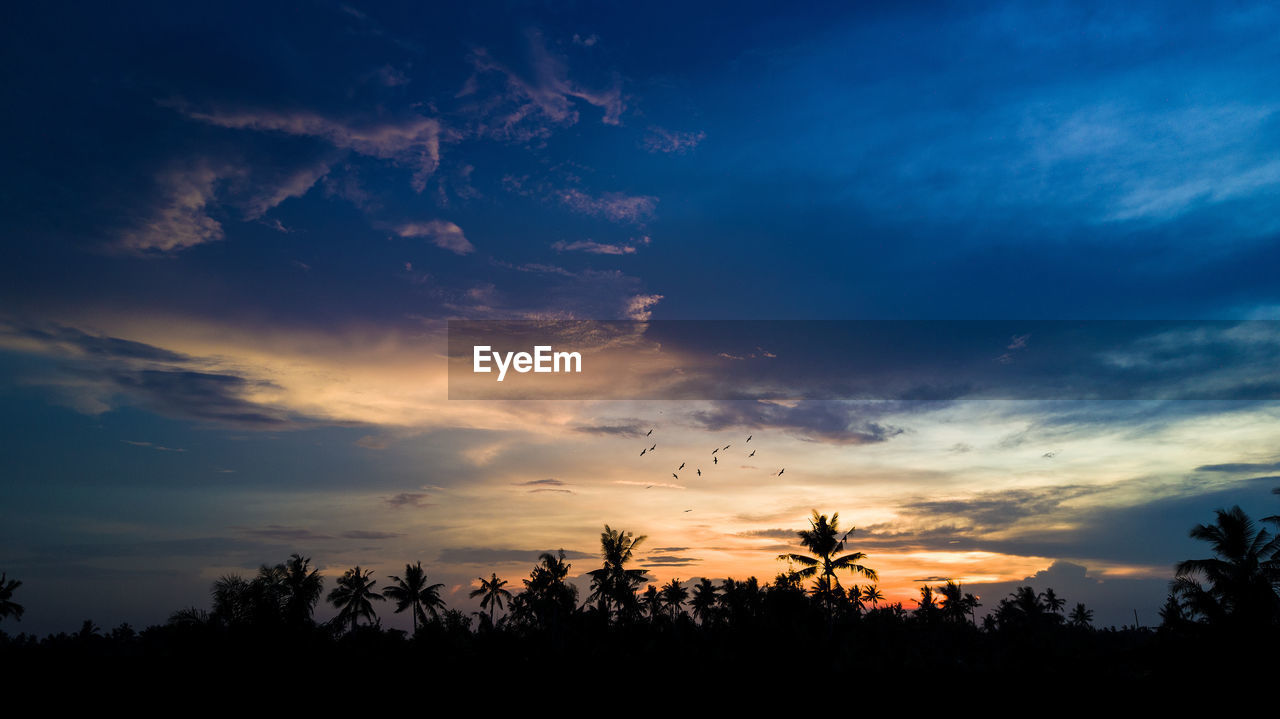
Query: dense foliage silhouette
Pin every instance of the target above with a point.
(1225, 605)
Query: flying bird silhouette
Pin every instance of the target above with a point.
(781, 471)
(753, 453)
(717, 449)
(655, 446)
(726, 446)
(688, 510)
(749, 437)
(643, 451)
(673, 474)
(680, 467)
(715, 460)
(648, 433)
(699, 471)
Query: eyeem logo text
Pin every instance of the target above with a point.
(542, 360)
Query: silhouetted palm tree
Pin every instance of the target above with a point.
(613, 583)
(704, 600)
(1242, 575)
(927, 609)
(492, 594)
(302, 588)
(1081, 617)
(674, 596)
(8, 607)
(412, 592)
(956, 605)
(871, 593)
(1052, 601)
(652, 601)
(820, 540)
(231, 601)
(547, 596)
(354, 597)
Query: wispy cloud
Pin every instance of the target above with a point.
(440, 233)
(672, 142)
(615, 206)
(413, 140)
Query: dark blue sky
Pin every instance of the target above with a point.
(1008, 160)
(230, 234)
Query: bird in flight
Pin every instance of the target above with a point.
(648, 433)
(749, 437)
(673, 474)
(699, 471)
(726, 446)
(680, 467)
(643, 451)
(717, 449)
(753, 453)
(655, 446)
(688, 510)
(715, 460)
(781, 471)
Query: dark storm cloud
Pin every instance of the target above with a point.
(833, 422)
(668, 561)
(291, 534)
(476, 555)
(618, 430)
(369, 534)
(99, 345)
(991, 510)
(1150, 533)
(410, 499)
(1240, 467)
(200, 395)
(96, 372)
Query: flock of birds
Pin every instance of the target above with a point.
(715, 459)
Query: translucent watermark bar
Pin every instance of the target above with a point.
(865, 359)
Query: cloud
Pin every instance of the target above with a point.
(442, 234)
(1240, 467)
(94, 373)
(370, 441)
(999, 510)
(617, 430)
(179, 219)
(663, 560)
(638, 306)
(669, 142)
(152, 446)
(369, 534)
(530, 104)
(828, 421)
(292, 534)
(410, 499)
(413, 140)
(541, 482)
(614, 206)
(292, 184)
(594, 248)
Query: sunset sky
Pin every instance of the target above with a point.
(233, 238)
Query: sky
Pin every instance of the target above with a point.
(233, 237)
